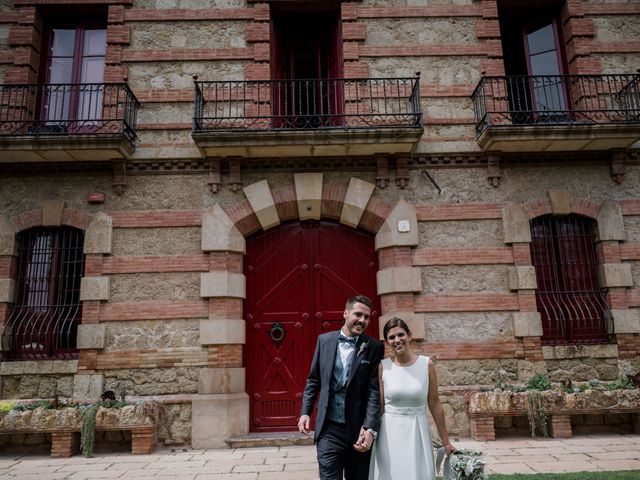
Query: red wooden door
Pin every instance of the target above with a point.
(298, 278)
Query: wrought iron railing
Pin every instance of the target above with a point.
(68, 109)
(556, 99)
(572, 304)
(307, 104)
(43, 321)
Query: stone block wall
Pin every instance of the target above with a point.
(165, 302)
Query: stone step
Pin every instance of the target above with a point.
(271, 439)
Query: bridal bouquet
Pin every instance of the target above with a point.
(462, 464)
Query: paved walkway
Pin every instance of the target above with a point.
(516, 455)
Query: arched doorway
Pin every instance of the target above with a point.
(298, 278)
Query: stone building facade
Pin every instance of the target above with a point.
(446, 198)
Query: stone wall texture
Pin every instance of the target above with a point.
(154, 311)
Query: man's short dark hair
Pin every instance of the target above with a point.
(351, 301)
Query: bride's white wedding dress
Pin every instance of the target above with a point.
(403, 448)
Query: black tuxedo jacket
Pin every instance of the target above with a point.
(362, 403)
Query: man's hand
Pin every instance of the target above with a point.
(365, 441)
(304, 424)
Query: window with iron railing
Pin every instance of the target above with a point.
(44, 320)
(569, 298)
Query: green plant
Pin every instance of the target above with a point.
(539, 382)
(7, 405)
(88, 429)
(536, 413)
(622, 383)
(21, 407)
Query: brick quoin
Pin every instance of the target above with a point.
(24, 35)
(225, 355)
(115, 14)
(93, 265)
(356, 70)
(261, 12)
(91, 312)
(521, 253)
(225, 308)
(527, 301)
(257, 32)
(628, 346)
(261, 52)
(87, 361)
(395, 257)
(487, 29)
(8, 266)
(618, 298)
(492, 67)
(354, 31)
(349, 12)
(633, 295)
(397, 302)
(226, 261)
(4, 313)
(120, 34)
(608, 252)
(463, 256)
(257, 71)
(115, 74)
(532, 349)
(457, 211)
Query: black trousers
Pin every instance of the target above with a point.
(337, 455)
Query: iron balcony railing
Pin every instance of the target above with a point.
(68, 109)
(307, 104)
(519, 100)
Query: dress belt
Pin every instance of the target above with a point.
(392, 410)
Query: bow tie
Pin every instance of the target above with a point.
(349, 340)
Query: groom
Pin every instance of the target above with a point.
(344, 372)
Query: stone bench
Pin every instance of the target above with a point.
(65, 442)
(65, 424)
(559, 407)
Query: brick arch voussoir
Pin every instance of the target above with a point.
(577, 205)
(244, 218)
(375, 214)
(33, 218)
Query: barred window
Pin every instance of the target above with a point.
(569, 297)
(44, 320)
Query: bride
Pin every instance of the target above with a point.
(408, 383)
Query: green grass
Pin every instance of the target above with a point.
(623, 475)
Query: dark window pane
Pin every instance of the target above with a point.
(63, 42)
(95, 42)
(541, 40)
(545, 64)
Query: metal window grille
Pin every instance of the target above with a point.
(571, 303)
(43, 322)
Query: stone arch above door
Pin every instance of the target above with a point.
(222, 397)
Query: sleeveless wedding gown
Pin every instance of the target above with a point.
(403, 448)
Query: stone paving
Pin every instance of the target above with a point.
(510, 455)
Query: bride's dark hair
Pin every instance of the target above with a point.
(395, 322)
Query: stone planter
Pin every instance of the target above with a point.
(64, 426)
(485, 406)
